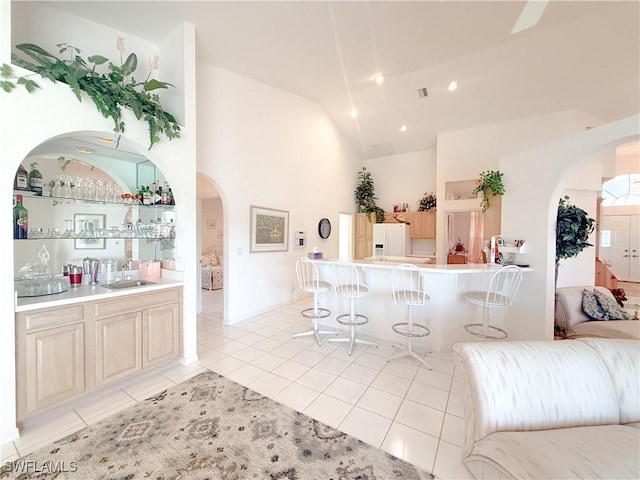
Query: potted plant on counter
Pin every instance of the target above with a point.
(365, 196)
(490, 184)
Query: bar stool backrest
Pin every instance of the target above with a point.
(408, 285)
(308, 276)
(503, 286)
(346, 279)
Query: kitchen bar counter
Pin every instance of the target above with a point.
(445, 315)
(85, 293)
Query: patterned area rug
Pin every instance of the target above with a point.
(210, 427)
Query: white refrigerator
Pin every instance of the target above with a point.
(391, 240)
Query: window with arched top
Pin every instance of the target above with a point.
(622, 190)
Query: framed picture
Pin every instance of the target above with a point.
(86, 227)
(269, 230)
(211, 223)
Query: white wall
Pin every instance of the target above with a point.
(463, 154)
(211, 235)
(403, 178)
(539, 177)
(273, 149)
(26, 120)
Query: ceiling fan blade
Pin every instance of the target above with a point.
(530, 15)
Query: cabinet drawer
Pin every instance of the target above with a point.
(52, 316)
(120, 305)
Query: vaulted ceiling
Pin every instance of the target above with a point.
(580, 55)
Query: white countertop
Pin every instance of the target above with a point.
(86, 293)
(466, 268)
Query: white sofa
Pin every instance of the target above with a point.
(570, 317)
(551, 410)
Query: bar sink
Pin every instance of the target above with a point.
(128, 284)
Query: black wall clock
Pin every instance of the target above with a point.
(324, 228)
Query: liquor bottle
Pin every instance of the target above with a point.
(35, 179)
(20, 219)
(157, 196)
(171, 199)
(21, 180)
(146, 196)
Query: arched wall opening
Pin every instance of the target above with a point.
(538, 177)
(28, 120)
(212, 225)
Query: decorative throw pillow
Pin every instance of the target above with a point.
(611, 308)
(209, 260)
(591, 307)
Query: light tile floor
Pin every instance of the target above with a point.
(400, 406)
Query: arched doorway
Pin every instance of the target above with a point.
(211, 244)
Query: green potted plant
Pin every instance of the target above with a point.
(490, 184)
(365, 196)
(427, 202)
(573, 227)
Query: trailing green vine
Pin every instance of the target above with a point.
(490, 182)
(110, 91)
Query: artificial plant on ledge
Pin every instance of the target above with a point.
(110, 91)
(490, 183)
(365, 196)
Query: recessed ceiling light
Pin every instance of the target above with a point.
(379, 79)
(84, 150)
(353, 113)
(106, 139)
(403, 128)
(453, 85)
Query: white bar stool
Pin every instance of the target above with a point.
(408, 285)
(309, 281)
(346, 282)
(500, 294)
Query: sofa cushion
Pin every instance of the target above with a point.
(622, 359)
(606, 329)
(606, 451)
(610, 307)
(569, 305)
(591, 306)
(512, 386)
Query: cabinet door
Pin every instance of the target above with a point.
(54, 366)
(118, 347)
(415, 227)
(428, 227)
(160, 333)
(363, 236)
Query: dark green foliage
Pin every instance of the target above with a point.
(427, 202)
(490, 180)
(573, 228)
(109, 91)
(365, 196)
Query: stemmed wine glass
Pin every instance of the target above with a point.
(70, 230)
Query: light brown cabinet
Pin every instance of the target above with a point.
(422, 224)
(118, 347)
(160, 334)
(363, 235)
(64, 352)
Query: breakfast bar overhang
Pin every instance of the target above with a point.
(445, 315)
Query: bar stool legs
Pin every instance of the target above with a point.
(353, 320)
(315, 313)
(411, 331)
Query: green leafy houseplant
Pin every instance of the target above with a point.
(112, 90)
(573, 227)
(427, 202)
(490, 183)
(365, 196)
